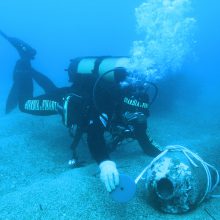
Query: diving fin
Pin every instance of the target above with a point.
(24, 49)
(12, 100)
(4, 35)
(22, 87)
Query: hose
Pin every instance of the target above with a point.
(95, 92)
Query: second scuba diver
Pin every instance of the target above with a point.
(103, 96)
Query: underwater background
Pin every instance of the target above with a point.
(176, 43)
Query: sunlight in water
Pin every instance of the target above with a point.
(168, 30)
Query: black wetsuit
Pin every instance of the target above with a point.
(119, 103)
(130, 99)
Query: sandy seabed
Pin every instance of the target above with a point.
(36, 182)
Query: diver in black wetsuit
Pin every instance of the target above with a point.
(123, 110)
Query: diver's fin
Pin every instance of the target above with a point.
(4, 35)
(24, 49)
(43, 81)
(12, 100)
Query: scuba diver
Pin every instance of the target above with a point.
(103, 97)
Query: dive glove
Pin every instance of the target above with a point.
(109, 174)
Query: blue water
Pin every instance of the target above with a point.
(184, 64)
(66, 29)
(62, 30)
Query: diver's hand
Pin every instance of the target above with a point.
(109, 174)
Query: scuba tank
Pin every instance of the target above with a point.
(96, 66)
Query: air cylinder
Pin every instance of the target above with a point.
(96, 66)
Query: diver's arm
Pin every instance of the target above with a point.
(96, 142)
(144, 141)
(108, 172)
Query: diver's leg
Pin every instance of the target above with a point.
(44, 105)
(43, 81)
(21, 93)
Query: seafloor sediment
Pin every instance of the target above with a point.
(36, 183)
